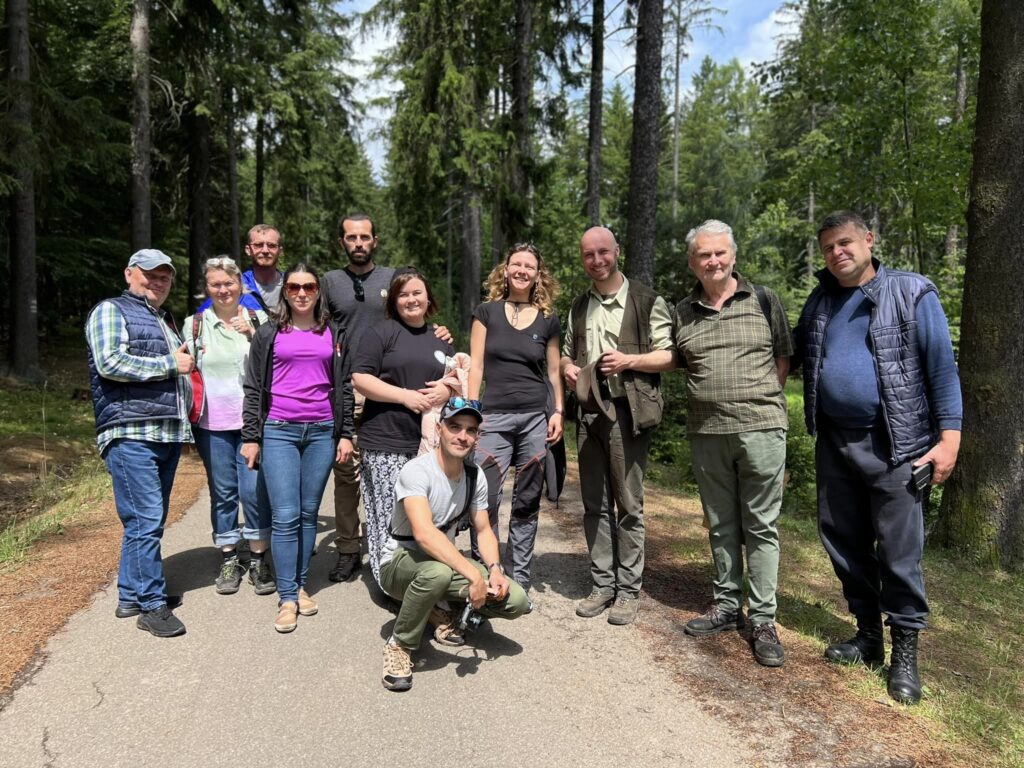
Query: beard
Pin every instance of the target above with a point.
(360, 256)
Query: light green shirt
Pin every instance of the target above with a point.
(604, 321)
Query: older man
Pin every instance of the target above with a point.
(882, 394)
(139, 370)
(734, 342)
(621, 331)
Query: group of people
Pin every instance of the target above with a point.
(302, 374)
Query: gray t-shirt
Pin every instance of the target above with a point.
(352, 313)
(271, 292)
(423, 476)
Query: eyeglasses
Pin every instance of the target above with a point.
(294, 289)
(461, 402)
(527, 247)
(357, 287)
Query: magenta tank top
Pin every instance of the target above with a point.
(301, 389)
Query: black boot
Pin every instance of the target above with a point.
(866, 646)
(904, 682)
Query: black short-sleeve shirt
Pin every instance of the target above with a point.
(407, 358)
(514, 360)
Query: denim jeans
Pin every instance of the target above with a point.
(295, 461)
(230, 481)
(142, 473)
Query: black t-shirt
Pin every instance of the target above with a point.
(514, 360)
(407, 358)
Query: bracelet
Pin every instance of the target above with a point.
(559, 411)
(499, 566)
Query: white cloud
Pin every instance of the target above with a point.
(764, 37)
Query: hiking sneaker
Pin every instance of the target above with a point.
(595, 603)
(307, 605)
(624, 610)
(348, 563)
(128, 610)
(260, 577)
(446, 631)
(230, 577)
(287, 616)
(397, 668)
(767, 647)
(714, 621)
(161, 623)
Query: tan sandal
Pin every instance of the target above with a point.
(307, 606)
(287, 616)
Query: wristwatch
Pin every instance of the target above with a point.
(499, 566)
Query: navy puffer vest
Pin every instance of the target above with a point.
(892, 331)
(123, 402)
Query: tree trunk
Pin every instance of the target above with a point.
(983, 508)
(236, 231)
(676, 122)
(199, 250)
(952, 247)
(23, 350)
(812, 212)
(471, 245)
(643, 156)
(520, 208)
(261, 127)
(142, 144)
(595, 114)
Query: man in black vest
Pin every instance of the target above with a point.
(141, 393)
(621, 333)
(882, 394)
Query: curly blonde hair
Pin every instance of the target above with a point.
(544, 292)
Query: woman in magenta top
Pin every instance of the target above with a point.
(297, 421)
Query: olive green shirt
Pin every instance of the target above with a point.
(604, 321)
(729, 358)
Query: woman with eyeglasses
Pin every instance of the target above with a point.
(218, 339)
(514, 347)
(298, 422)
(398, 368)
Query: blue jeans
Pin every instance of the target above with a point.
(295, 461)
(230, 481)
(142, 473)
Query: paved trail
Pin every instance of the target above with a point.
(546, 690)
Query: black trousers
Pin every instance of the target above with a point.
(871, 523)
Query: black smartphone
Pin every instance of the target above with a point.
(921, 477)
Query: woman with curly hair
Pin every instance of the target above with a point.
(514, 344)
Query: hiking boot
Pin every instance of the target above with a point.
(161, 623)
(624, 610)
(127, 610)
(260, 577)
(348, 563)
(767, 648)
(904, 684)
(287, 616)
(866, 646)
(714, 621)
(397, 668)
(595, 603)
(446, 631)
(230, 577)
(307, 606)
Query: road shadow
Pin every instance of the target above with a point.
(482, 645)
(564, 573)
(191, 569)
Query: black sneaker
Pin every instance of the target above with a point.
(260, 577)
(127, 610)
(230, 577)
(767, 648)
(714, 621)
(348, 563)
(161, 623)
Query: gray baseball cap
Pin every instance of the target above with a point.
(151, 258)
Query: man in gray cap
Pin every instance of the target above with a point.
(139, 372)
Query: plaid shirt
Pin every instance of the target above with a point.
(729, 357)
(107, 335)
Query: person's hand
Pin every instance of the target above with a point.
(241, 324)
(572, 373)
(614, 362)
(251, 453)
(416, 401)
(345, 450)
(443, 334)
(477, 591)
(183, 360)
(942, 456)
(498, 584)
(554, 428)
(436, 393)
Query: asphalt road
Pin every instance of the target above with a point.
(549, 689)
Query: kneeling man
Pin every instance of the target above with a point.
(420, 565)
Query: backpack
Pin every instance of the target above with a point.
(196, 376)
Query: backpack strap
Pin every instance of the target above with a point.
(197, 329)
(254, 319)
(471, 470)
(766, 307)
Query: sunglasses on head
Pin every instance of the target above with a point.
(293, 289)
(461, 402)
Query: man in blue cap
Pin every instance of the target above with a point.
(139, 372)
